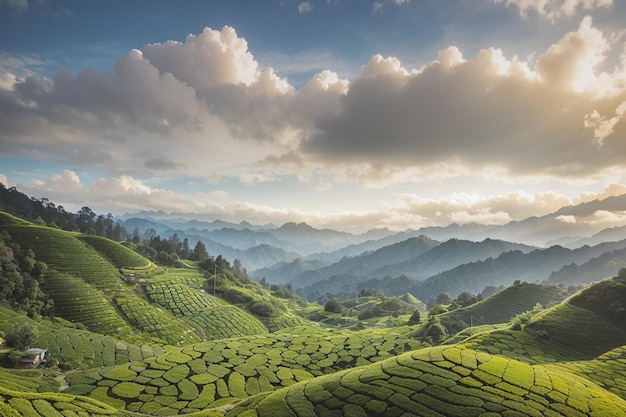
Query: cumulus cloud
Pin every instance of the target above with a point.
(555, 9)
(491, 112)
(196, 101)
(603, 126)
(570, 219)
(305, 7)
(4, 180)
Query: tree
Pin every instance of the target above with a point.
(263, 309)
(22, 337)
(443, 298)
(415, 318)
(436, 309)
(199, 252)
(333, 306)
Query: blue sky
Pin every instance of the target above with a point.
(341, 113)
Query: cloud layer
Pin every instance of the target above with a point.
(204, 107)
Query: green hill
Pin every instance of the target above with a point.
(85, 283)
(119, 255)
(213, 344)
(589, 322)
(210, 374)
(443, 381)
(503, 305)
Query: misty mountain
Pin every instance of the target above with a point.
(306, 239)
(612, 234)
(606, 265)
(535, 266)
(283, 272)
(448, 255)
(558, 227)
(364, 264)
(370, 245)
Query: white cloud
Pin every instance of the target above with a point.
(609, 218)
(491, 113)
(305, 7)
(219, 195)
(377, 7)
(572, 63)
(555, 9)
(569, 219)
(603, 127)
(250, 178)
(3, 180)
(482, 216)
(196, 101)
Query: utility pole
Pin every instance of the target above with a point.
(471, 323)
(214, 277)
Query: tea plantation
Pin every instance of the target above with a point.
(159, 344)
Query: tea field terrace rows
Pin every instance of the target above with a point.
(211, 374)
(117, 254)
(439, 382)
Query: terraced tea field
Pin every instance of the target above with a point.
(65, 252)
(92, 350)
(117, 254)
(211, 317)
(78, 301)
(503, 305)
(210, 374)
(441, 381)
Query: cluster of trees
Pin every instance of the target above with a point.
(167, 252)
(21, 277)
(45, 213)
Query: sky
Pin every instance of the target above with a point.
(344, 114)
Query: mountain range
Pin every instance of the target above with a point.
(321, 261)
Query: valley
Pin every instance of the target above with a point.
(482, 328)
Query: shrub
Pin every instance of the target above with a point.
(333, 306)
(263, 309)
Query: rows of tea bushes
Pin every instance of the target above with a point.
(157, 323)
(441, 381)
(78, 301)
(179, 298)
(47, 404)
(210, 316)
(607, 370)
(119, 255)
(225, 322)
(85, 349)
(520, 346)
(65, 252)
(503, 305)
(214, 373)
(584, 332)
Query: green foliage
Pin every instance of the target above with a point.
(415, 318)
(263, 309)
(333, 306)
(24, 336)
